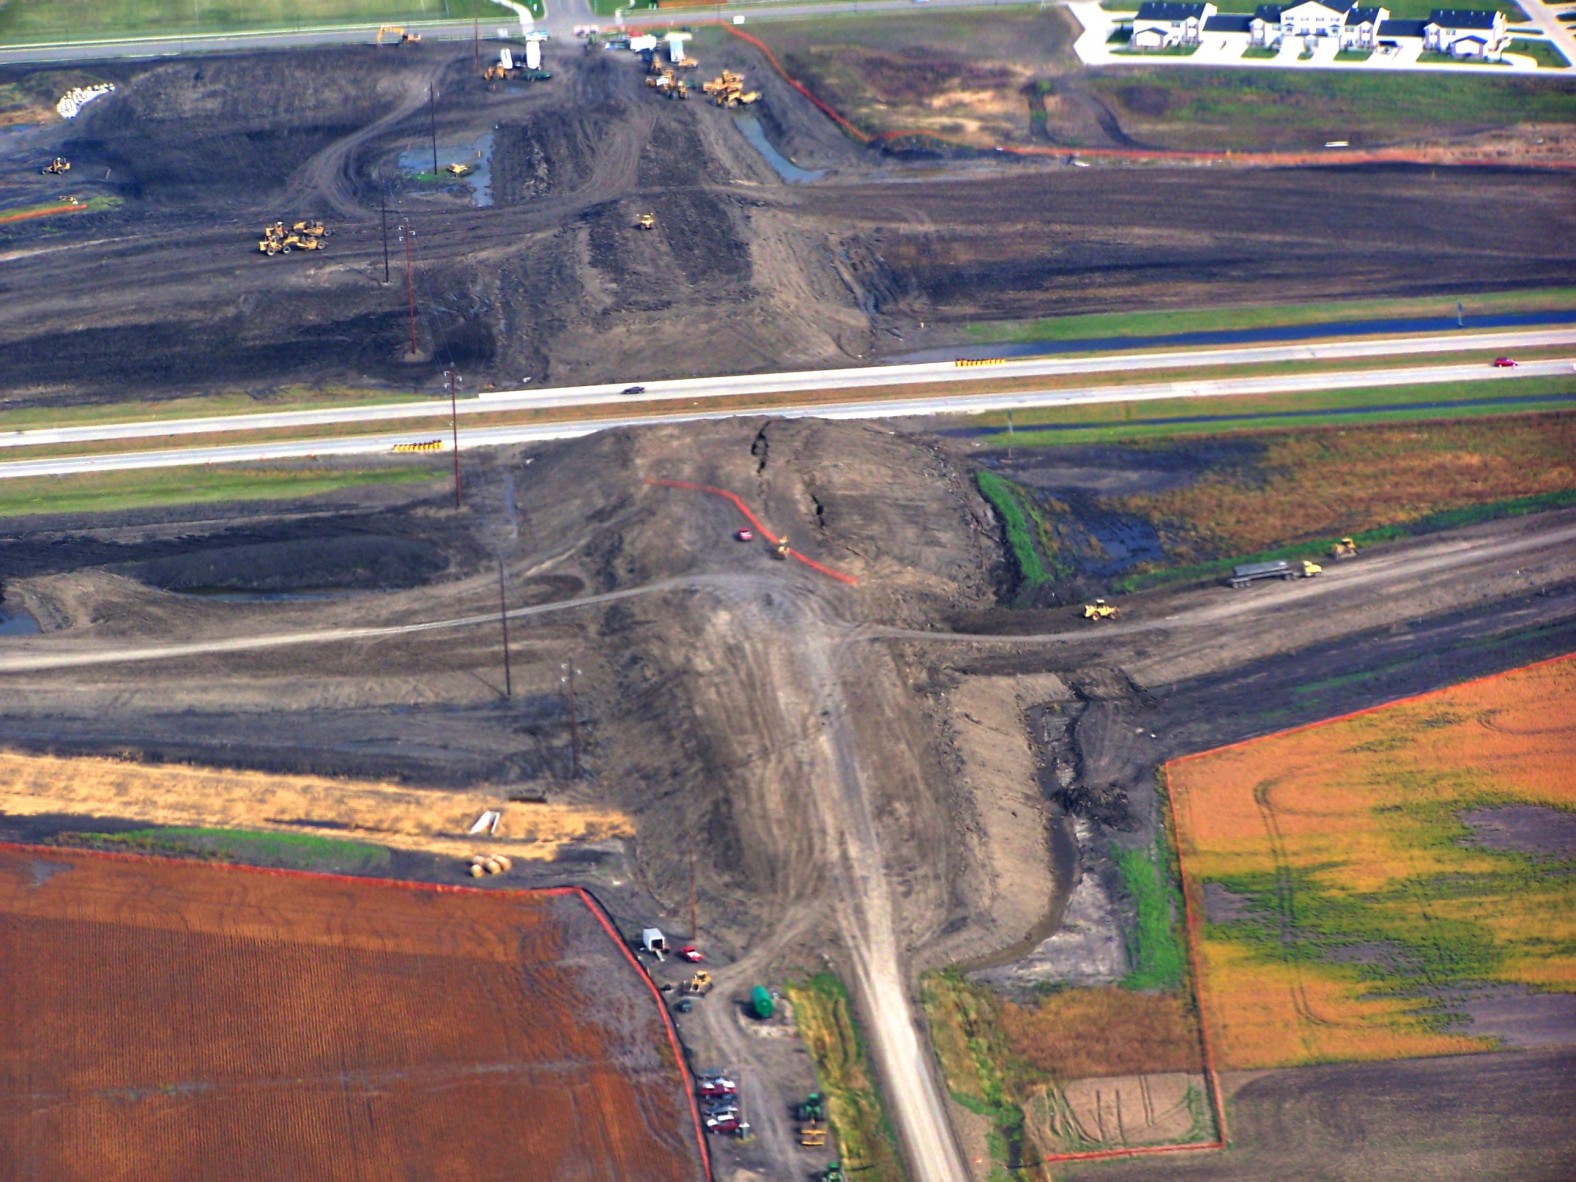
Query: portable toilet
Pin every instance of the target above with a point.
(676, 46)
(505, 58)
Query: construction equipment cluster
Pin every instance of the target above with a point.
(302, 235)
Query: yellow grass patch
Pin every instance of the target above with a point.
(419, 819)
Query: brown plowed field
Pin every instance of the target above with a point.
(186, 1021)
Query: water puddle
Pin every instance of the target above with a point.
(18, 623)
(785, 168)
(476, 154)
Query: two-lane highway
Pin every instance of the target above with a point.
(765, 391)
(570, 426)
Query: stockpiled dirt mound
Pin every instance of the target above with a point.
(197, 1022)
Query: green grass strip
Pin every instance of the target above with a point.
(298, 850)
(1154, 947)
(1019, 536)
(858, 1119)
(1100, 325)
(141, 488)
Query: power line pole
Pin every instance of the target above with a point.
(694, 900)
(383, 211)
(454, 423)
(432, 115)
(503, 618)
(405, 235)
(568, 681)
(476, 40)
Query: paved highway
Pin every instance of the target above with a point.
(697, 390)
(932, 404)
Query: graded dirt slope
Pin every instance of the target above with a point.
(193, 1022)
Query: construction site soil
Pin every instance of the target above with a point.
(776, 736)
(189, 1021)
(166, 294)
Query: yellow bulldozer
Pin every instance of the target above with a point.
(310, 229)
(1345, 548)
(1101, 610)
(56, 167)
(700, 984)
(398, 33)
(780, 549)
(646, 221)
(458, 170)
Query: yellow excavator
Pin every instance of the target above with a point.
(398, 31)
(646, 221)
(781, 550)
(1101, 610)
(56, 167)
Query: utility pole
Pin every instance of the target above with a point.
(432, 116)
(383, 211)
(568, 681)
(405, 235)
(476, 40)
(503, 618)
(694, 908)
(454, 423)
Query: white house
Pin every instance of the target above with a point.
(1313, 18)
(1465, 33)
(1161, 24)
(1360, 30)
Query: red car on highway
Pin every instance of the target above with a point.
(1505, 363)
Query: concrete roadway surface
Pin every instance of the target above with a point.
(936, 404)
(1491, 343)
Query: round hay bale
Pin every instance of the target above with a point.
(504, 862)
(476, 870)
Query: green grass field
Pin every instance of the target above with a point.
(24, 21)
(1204, 109)
(143, 488)
(1140, 324)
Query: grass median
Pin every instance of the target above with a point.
(32, 21)
(1117, 325)
(143, 488)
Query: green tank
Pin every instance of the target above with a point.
(761, 1002)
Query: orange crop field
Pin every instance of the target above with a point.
(172, 1020)
(1385, 885)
